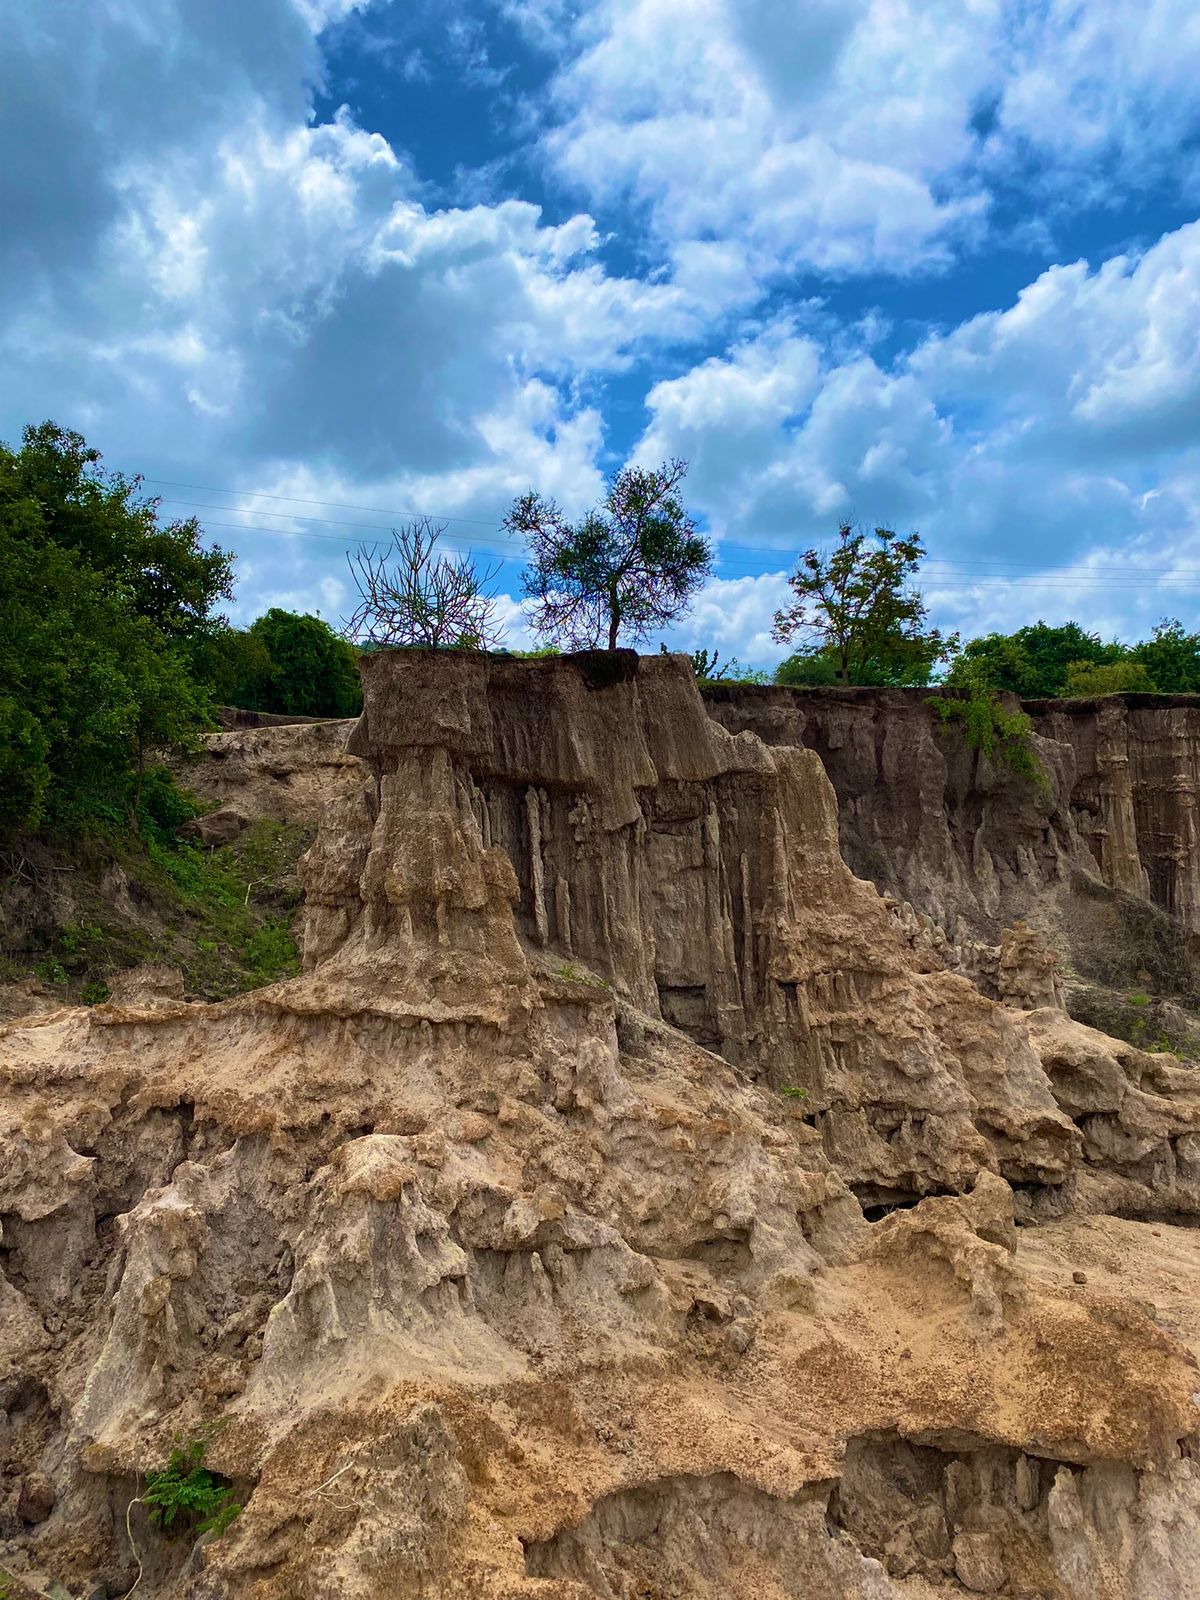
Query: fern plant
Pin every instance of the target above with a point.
(186, 1488)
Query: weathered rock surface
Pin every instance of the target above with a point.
(1103, 861)
(289, 770)
(510, 1263)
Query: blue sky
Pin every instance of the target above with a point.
(314, 265)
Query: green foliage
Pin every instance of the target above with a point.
(163, 806)
(97, 607)
(271, 953)
(1032, 662)
(896, 662)
(570, 973)
(1000, 735)
(807, 669)
(630, 566)
(1107, 677)
(1040, 662)
(861, 614)
(791, 1091)
(186, 1489)
(312, 670)
(1171, 657)
(706, 668)
(94, 993)
(51, 970)
(62, 496)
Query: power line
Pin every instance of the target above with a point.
(1006, 572)
(1060, 579)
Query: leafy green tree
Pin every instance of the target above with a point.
(1107, 677)
(857, 605)
(87, 688)
(1171, 657)
(808, 669)
(167, 575)
(90, 679)
(1032, 662)
(313, 670)
(896, 663)
(629, 566)
(235, 665)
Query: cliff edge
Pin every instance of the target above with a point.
(626, 1200)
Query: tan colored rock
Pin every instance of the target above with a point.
(506, 1264)
(290, 773)
(979, 1562)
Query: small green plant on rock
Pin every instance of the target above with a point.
(1000, 735)
(570, 973)
(792, 1091)
(185, 1488)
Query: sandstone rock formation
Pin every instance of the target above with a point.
(1103, 860)
(286, 769)
(626, 1201)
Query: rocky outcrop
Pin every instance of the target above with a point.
(288, 768)
(696, 873)
(1135, 792)
(624, 1201)
(1102, 860)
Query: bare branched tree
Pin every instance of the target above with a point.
(411, 594)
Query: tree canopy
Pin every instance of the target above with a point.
(97, 606)
(1032, 662)
(860, 613)
(1043, 662)
(626, 568)
(163, 570)
(298, 666)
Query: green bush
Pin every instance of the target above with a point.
(271, 952)
(1085, 678)
(185, 1488)
(163, 806)
(1000, 735)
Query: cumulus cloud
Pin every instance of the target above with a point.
(210, 273)
(1057, 434)
(221, 279)
(851, 136)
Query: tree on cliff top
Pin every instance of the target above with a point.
(311, 670)
(856, 607)
(629, 566)
(413, 594)
(1033, 662)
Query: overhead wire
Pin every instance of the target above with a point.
(961, 570)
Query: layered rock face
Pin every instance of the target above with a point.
(624, 1202)
(288, 768)
(1103, 859)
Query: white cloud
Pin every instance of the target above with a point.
(849, 136)
(1059, 434)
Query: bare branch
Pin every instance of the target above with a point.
(413, 595)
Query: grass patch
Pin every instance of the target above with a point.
(76, 912)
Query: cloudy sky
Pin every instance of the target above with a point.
(314, 265)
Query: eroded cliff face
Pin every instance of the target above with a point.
(510, 1264)
(1103, 859)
